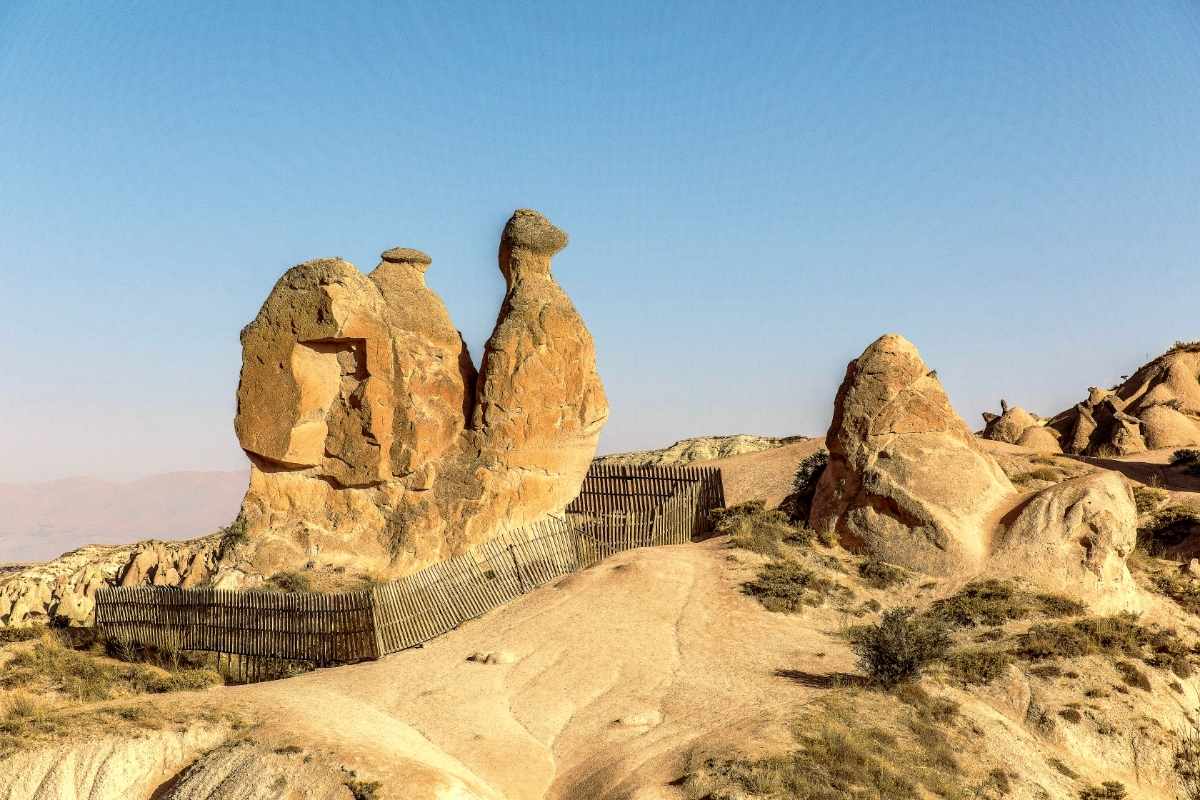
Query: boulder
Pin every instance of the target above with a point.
(372, 440)
(906, 481)
(1075, 536)
(1040, 438)
(1009, 426)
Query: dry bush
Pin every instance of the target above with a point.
(1168, 528)
(289, 582)
(1148, 498)
(752, 527)
(995, 602)
(1133, 676)
(899, 647)
(881, 575)
(790, 587)
(1117, 637)
(86, 677)
(1109, 790)
(977, 666)
(1187, 762)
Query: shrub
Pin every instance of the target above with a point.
(1109, 790)
(1118, 635)
(1133, 676)
(1168, 528)
(1188, 459)
(11, 635)
(978, 666)
(233, 535)
(788, 586)
(752, 527)
(880, 574)
(1187, 762)
(289, 582)
(1071, 715)
(899, 647)
(804, 484)
(363, 790)
(1148, 498)
(995, 602)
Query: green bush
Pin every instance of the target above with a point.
(899, 647)
(804, 484)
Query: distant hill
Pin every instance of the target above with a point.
(700, 448)
(43, 520)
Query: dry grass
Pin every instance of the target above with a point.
(752, 527)
(49, 665)
(905, 752)
(1168, 528)
(1117, 637)
(994, 602)
(977, 666)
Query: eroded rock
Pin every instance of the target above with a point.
(1076, 536)
(372, 440)
(1156, 407)
(906, 479)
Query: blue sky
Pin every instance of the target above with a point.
(754, 193)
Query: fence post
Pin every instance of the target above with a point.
(517, 566)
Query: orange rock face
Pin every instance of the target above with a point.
(372, 440)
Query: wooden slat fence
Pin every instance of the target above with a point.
(610, 489)
(352, 626)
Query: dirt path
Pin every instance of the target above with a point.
(615, 673)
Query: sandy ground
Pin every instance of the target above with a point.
(615, 674)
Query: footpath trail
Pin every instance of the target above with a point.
(602, 684)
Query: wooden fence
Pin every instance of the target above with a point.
(614, 489)
(323, 629)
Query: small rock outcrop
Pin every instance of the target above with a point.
(371, 438)
(1156, 407)
(906, 480)
(1015, 425)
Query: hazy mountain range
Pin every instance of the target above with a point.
(42, 520)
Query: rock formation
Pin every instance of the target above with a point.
(1015, 425)
(906, 479)
(908, 483)
(1075, 536)
(1156, 407)
(64, 590)
(372, 441)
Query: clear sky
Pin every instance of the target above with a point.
(754, 192)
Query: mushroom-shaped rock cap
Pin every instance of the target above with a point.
(405, 255)
(529, 229)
